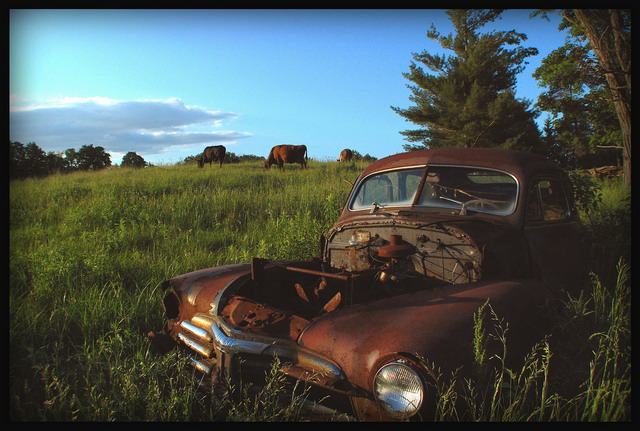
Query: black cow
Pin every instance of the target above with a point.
(212, 154)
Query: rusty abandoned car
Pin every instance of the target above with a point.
(424, 240)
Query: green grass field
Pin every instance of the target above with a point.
(88, 251)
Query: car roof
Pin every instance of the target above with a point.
(518, 163)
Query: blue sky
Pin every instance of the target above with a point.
(167, 83)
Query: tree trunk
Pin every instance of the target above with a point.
(617, 87)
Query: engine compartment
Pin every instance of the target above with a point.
(361, 264)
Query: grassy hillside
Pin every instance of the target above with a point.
(88, 250)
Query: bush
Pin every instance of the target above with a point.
(587, 192)
(133, 160)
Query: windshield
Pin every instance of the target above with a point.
(394, 188)
(461, 188)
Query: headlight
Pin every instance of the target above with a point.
(399, 389)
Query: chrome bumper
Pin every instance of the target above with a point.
(217, 344)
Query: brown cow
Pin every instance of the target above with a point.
(345, 156)
(281, 154)
(212, 154)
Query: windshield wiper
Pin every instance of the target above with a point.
(376, 207)
(463, 205)
(376, 210)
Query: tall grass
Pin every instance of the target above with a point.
(88, 251)
(580, 373)
(582, 370)
(607, 229)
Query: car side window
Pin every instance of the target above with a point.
(547, 202)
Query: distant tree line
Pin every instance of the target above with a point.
(32, 161)
(229, 157)
(359, 157)
(234, 158)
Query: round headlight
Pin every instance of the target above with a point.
(399, 389)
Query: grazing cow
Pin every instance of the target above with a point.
(281, 154)
(212, 154)
(346, 155)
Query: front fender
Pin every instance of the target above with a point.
(196, 291)
(436, 324)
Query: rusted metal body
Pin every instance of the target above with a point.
(399, 277)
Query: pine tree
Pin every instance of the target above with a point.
(469, 100)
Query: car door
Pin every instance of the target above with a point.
(552, 229)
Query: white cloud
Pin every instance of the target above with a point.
(147, 127)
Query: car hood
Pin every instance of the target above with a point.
(503, 246)
(436, 324)
(482, 227)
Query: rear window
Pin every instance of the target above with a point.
(547, 202)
